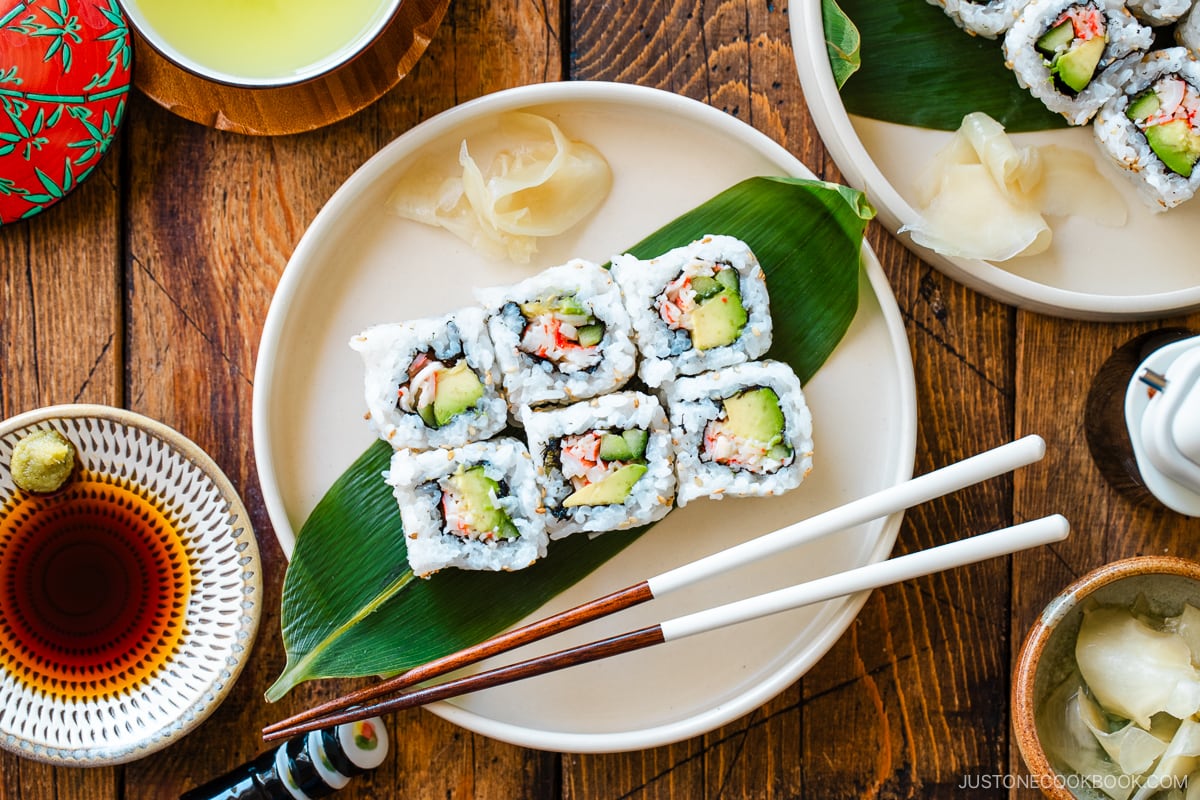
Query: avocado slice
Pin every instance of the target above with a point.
(1176, 145)
(590, 335)
(477, 490)
(1077, 66)
(718, 321)
(458, 389)
(1056, 38)
(611, 491)
(1143, 105)
(755, 414)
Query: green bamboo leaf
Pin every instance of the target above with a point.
(51, 187)
(842, 40)
(19, 125)
(919, 68)
(351, 607)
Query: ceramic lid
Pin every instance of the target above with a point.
(64, 80)
(1162, 411)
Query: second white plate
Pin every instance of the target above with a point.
(1140, 270)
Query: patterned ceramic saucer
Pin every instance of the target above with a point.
(129, 599)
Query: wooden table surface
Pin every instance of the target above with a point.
(148, 288)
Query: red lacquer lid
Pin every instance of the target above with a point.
(64, 81)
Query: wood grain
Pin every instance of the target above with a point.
(148, 288)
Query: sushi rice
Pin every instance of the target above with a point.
(404, 363)
(441, 528)
(987, 19)
(712, 460)
(540, 326)
(1159, 12)
(662, 300)
(563, 444)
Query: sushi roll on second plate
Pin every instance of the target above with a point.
(473, 507)
(604, 464)
(741, 431)
(1151, 131)
(1069, 53)
(432, 382)
(561, 335)
(696, 308)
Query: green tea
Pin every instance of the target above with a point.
(260, 39)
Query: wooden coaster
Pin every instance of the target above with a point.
(303, 107)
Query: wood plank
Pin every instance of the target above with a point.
(912, 697)
(212, 219)
(61, 342)
(1057, 361)
(231, 209)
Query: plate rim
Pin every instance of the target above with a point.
(859, 168)
(613, 92)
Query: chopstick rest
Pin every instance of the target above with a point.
(885, 502)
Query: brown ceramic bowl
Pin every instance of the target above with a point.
(1047, 656)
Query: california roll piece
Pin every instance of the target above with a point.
(743, 431)
(562, 335)
(696, 308)
(473, 507)
(604, 464)
(1151, 131)
(432, 382)
(986, 18)
(1072, 55)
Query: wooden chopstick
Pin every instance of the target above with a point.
(872, 576)
(940, 482)
(502, 643)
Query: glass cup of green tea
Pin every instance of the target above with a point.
(260, 43)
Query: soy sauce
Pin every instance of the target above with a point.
(94, 586)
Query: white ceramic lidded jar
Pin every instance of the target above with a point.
(1162, 412)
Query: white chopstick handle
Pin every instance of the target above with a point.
(938, 483)
(1049, 529)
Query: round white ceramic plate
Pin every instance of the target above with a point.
(358, 265)
(1139, 270)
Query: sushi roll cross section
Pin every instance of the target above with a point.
(433, 382)
(741, 431)
(560, 336)
(474, 507)
(604, 464)
(1151, 131)
(696, 308)
(1070, 54)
